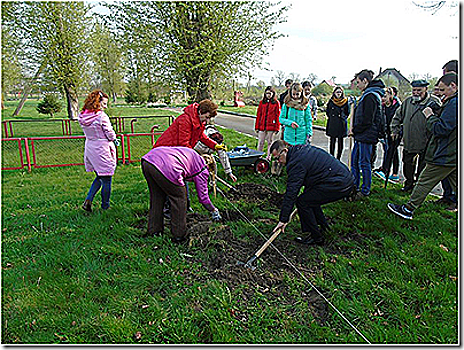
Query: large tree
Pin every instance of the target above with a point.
(11, 67)
(54, 36)
(108, 67)
(191, 43)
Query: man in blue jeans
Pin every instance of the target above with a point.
(366, 128)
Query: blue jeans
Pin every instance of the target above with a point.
(361, 163)
(103, 182)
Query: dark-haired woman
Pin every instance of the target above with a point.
(337, 115)
(267, 123)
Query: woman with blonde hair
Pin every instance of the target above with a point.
(296, 116)
(100, 148)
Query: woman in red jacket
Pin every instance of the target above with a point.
(267, 119)
(189, 127)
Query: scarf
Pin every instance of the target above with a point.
(339, 101)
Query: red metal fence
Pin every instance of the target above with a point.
(51, 127)
(68, 150)
(59, 151)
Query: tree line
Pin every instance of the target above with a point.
(140, 48)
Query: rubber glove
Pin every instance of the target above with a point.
(220, 147)
(215, 215)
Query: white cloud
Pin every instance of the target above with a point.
(339, 38)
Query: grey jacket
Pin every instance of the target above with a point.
(411, 120)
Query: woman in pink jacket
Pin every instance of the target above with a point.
(100, 149)
(167, 169)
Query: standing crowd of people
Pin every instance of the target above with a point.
(425, 122)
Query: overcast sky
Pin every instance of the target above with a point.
(340, 38)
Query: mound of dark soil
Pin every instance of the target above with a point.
(225, 250)
(256, 193)
(268, 278)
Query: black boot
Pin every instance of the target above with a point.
(87, 206)
(310, 240)
(180, 240)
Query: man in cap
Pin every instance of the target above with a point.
(441, 154)
(409, 122)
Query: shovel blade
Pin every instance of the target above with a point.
(249, 263)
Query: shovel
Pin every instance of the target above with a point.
(249, 263)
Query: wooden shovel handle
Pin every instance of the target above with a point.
(270, 240)
(225, 183)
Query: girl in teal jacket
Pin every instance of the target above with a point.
(296, 116)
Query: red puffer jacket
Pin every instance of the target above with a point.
(186, 130)
(267, 117)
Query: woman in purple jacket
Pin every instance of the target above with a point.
(166, 170)
(100, 150)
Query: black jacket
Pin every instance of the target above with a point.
(337, 119)
(389, 113)
(311, 166)
(369, 121)
(282, 97)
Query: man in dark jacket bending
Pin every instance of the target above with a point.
(324, 178)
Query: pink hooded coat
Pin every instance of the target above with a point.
(181, 164)
(100, 151)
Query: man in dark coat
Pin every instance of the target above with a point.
(366, 128)
(324, 178)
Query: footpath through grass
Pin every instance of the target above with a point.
(73, 278)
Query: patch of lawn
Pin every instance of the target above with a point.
(69, 277)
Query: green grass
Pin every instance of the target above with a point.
(73, 278)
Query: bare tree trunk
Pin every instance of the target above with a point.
(72, 102)
(202, 94)
(28, 89)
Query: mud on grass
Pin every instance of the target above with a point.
(269, 278)
(220, 251)
(256, 193)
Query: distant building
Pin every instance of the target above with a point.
(328, 82)
(392, 74)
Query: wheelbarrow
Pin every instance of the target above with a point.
(244, 156)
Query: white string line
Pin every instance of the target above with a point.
(296, 269)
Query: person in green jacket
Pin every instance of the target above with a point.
(410, 121)
(441, 153)
(296, 116)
